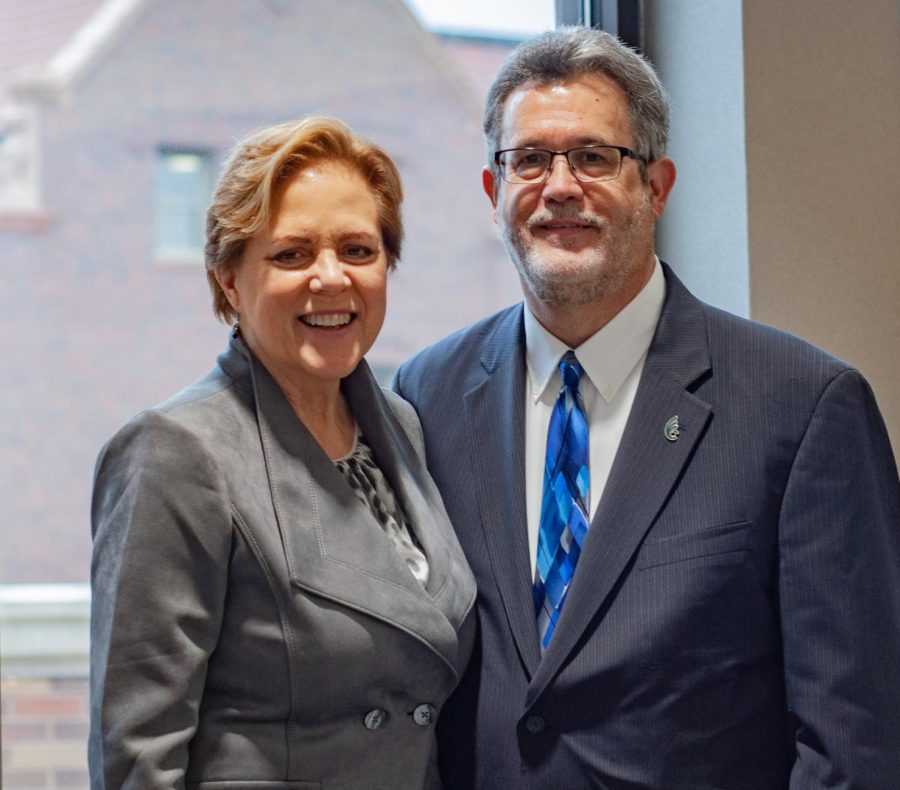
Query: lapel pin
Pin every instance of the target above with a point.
(672, 430)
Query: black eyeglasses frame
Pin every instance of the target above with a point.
(623, 151)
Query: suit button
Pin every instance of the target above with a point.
(374, 719)
(535, 724)
(424, 715)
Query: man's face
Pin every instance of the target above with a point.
(575, 243)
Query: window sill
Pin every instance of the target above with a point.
(24, 221)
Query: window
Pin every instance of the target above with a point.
(126, 115)
(18, 161)
(183, 187)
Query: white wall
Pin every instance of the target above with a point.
(697, 48)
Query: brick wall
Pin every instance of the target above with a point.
(45, 723)
(96, 329)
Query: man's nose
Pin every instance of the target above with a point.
(561, 183)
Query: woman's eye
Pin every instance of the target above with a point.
(358, 252)
(289, 257)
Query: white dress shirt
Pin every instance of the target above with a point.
(613, 359)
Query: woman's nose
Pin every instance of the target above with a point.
(328, 275)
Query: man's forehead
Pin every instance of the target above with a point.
(590, 107)
(570, 88)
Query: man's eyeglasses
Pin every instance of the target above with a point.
(589, 164)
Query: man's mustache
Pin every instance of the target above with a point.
(575, 216)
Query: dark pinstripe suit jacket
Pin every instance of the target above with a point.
(734, 622)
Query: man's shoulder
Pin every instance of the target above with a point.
(739, 342)
(752, 343)
(465, 347)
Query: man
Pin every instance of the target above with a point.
(687, 536)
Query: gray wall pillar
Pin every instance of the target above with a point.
(823, 165)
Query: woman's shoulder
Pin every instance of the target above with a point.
(406, 415)
(211, 391)
(185, 427)
(401, 407)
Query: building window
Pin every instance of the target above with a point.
(183, 187)
(18, 160)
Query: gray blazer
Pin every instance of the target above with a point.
(252, 625)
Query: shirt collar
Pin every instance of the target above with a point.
(610, 354)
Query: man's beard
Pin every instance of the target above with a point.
(621, 250)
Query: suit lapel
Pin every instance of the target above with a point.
(646, 467)
(495, 422)
(333, 546)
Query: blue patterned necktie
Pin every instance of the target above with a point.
(564, 508)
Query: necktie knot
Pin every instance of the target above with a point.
(571, 371)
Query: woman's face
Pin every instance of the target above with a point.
(310, 289)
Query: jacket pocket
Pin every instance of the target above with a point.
(723, 539)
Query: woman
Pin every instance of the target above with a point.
(278, 598)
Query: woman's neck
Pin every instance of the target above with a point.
(318, 403)
(324, 411)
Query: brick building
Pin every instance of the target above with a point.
(115, 116)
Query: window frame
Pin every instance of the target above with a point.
(167, 204)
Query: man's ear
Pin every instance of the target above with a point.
(490, 185)
(660, 179)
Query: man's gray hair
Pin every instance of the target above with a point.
(559, 55)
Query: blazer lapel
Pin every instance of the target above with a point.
(646, 467)
(495, 422)
(333, 546)
(450, 582)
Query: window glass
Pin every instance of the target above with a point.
(183, 186)
(115, 117)
(18, 168)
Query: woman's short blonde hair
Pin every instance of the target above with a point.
(257, 165)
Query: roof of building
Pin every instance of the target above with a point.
(45, 36)
(34, 32)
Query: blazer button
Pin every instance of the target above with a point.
(374, 719)
(535, 724)
(424, 715)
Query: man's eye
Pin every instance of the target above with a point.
(530, 160)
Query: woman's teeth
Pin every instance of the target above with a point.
(331, 319)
